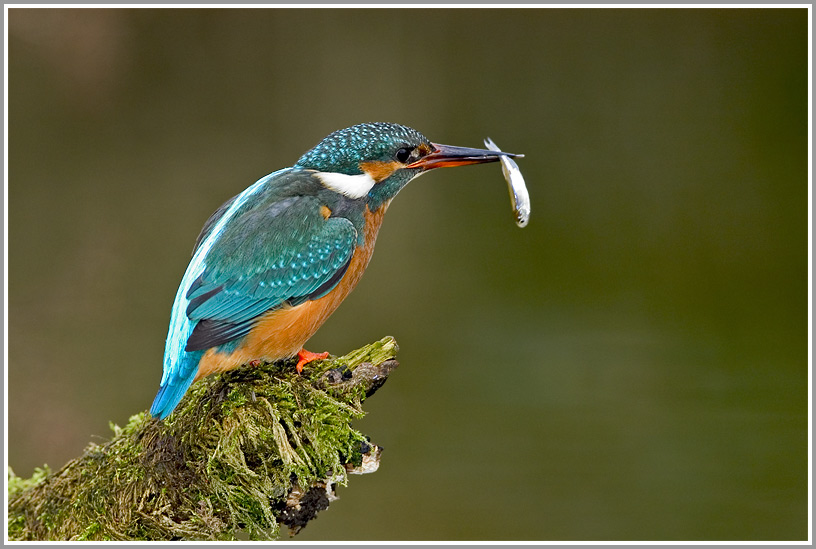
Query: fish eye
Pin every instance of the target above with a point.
(403, 155)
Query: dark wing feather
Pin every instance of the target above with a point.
(212, 220)
(267, 257)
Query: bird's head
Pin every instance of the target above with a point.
(376, 160)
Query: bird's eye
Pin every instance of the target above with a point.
(403, 155)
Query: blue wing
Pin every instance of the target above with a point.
(252, 256)
(227, 298)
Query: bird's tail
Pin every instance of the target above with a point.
(174, 387)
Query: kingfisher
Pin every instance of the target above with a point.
(275, 261)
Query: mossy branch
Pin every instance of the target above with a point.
(245, 452)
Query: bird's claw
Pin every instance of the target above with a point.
(305, 357)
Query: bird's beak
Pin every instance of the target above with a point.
(445, 156)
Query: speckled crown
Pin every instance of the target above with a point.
(343, 150)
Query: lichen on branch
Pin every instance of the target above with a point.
(244, 453)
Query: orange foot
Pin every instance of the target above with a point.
(304, 357)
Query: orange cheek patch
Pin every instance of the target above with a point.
(380, 170)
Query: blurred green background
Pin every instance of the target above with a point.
(631, 366)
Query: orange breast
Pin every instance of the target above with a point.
(281, 333)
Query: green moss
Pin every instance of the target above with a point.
(221, 467)
(17, 484)
(90, 531)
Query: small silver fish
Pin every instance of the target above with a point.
(519, 197)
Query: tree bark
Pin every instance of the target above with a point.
(244, 453)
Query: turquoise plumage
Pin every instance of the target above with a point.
(276, 250)
(272, 263)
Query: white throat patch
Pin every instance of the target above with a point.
(353, 186)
